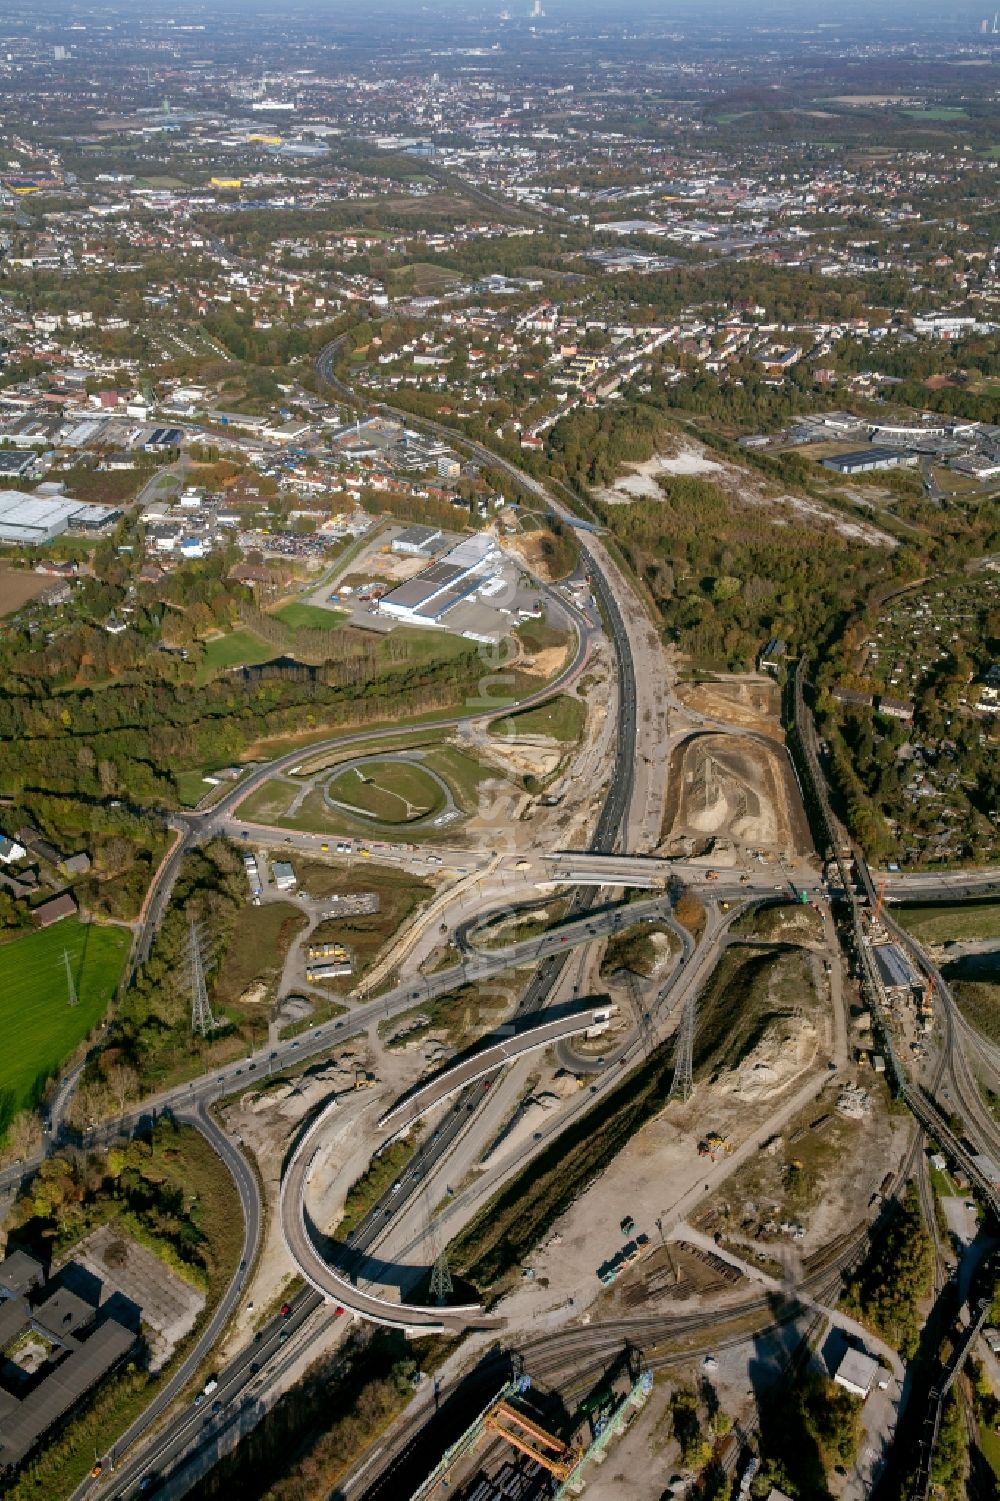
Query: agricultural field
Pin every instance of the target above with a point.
(18, 588)
(42, 1028)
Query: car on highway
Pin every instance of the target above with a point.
(97, 1470)
(283, 1337)
(285, 1310)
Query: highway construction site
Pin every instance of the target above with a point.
(729, 793)
(684, 1189)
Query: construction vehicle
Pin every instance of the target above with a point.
(711, 875)
(363, 1079)
(712, 1144)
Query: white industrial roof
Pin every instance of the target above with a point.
(18, 509)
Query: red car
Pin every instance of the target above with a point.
(286, 1309)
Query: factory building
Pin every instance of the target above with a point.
(424, 600)
(417, 541)
(867, 460)
(33, 520)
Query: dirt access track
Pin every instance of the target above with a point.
(747, 702)
(734, 789)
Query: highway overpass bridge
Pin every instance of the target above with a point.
(300, 1235)
(514, 1042)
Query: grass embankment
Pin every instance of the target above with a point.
(329, 760)
(634, 949)
(490, 1250)
(386, 814)
(562, 718)
(377, 1178)
(738, 1006)
(42, 1028)
(947, 924)
(171, 1193)
(979, 1003)
(520, 926)
(461, 1016)
(388, 792)
(538, 635)
(791, 922)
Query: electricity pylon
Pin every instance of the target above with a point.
(682, 1085)
(202, 1019)
(72, 999)
(441, 1283)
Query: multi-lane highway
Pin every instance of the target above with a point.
(603, 864)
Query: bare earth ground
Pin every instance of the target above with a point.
(18, 587)
(692, 458)
(735, 790)
(750, 702)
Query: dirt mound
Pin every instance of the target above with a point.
(732, 789)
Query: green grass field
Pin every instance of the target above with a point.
(463, 773)
(392, 792)
(972, 920)
(43, 1029)
(938, 112)
(424, 645)
(302, 617)
(562, 719)
(236, 649)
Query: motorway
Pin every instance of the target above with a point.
(547, 954)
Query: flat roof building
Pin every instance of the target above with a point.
(895, 972)
(866, 460)
(417, 541)
(857, 1373)
(34, 520)
(82, 1346)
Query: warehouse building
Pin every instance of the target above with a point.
(34, 520)
(424, 600)
(857, 1373)
(868, 460)
(417, 541)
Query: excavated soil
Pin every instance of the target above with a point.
(732, 789)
